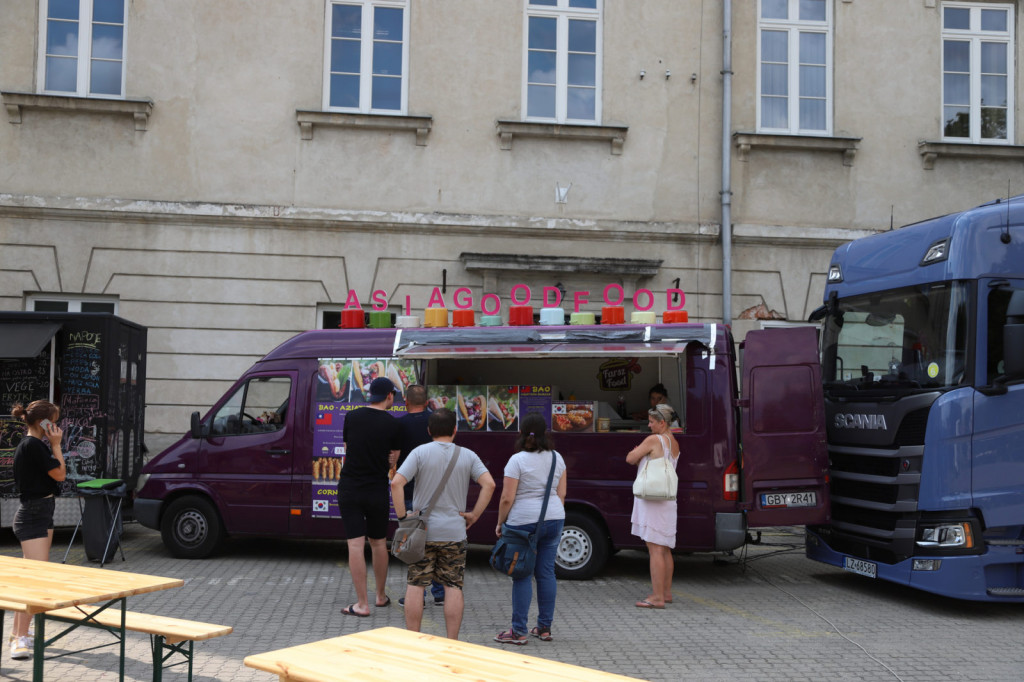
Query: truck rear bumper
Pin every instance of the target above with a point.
(992, 576)
(147, 512)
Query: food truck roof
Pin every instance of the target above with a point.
(535, 341)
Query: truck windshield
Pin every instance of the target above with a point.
(896, 341)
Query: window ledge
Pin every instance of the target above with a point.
(966, 150)
(16, 102)
(615, 134)
(307, 119)
(847, 146)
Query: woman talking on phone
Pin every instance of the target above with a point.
(38, 471)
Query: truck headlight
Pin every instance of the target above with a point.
(948, 536)
(141, 482)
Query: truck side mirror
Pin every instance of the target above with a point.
(196, 426)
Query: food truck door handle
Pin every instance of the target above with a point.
(275, 452)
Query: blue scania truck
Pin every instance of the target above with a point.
(923, 368)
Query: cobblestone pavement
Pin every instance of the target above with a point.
(777, 616)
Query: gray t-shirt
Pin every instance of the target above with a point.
(531, 469)
(427, 464)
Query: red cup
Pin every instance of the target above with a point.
(520, 315)
(613, 314)
(675, 317)
(462, 318)
(353, 318)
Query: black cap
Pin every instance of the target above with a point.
(380, 389)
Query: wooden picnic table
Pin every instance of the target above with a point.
(45, 586)
(389, 654)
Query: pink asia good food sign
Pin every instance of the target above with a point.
(521, 294)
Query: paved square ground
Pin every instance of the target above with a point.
(776, 617)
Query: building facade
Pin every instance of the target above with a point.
(226, 173)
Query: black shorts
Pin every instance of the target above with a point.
(34, 518)
(365, 511)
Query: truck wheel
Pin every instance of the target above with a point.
(583, 549)
(191, 528)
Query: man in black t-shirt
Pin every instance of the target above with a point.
(372, 442)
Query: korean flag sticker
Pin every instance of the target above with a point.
(321, 506)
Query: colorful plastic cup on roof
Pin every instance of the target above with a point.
(552, 316)
(613, 314)
(520, 315)
(436, 317)
(642, 317)
(491, 321)
(407, 321)
(463, 318)
(353, 318)
(675, 317)
(582, 318)
(380, 319)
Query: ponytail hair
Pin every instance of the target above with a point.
(37, 411)
(533, 434)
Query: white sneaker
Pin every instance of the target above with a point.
(21, 648)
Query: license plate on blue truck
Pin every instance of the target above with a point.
(860, 567)
(786, 500)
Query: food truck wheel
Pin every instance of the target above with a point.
(583, 549)
(191, 528)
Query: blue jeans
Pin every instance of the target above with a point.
(544, 573)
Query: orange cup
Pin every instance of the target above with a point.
(520, 315)
(613, 314)
(435, 317)
(675, 317)
(463, 318)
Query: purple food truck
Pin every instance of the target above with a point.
(265, 459)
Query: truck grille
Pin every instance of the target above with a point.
(875, 489)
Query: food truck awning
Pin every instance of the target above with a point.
(25, 339)
(539, 342)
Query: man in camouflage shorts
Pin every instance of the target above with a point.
(445, 557)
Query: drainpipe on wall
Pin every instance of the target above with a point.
(726, 162)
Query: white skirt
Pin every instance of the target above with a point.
(655, 521)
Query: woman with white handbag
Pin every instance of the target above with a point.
(654, 507)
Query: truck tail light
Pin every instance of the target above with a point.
(731, 482)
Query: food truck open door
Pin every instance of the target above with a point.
(784, 460)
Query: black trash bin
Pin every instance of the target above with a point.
(101, 517)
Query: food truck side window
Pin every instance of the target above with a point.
(258, 406)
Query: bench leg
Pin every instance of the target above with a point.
(38, 648)
(159, 644)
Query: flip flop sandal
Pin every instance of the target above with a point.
(350, 610)
(644, 604)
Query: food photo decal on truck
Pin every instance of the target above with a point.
(364, 371)
(572, 417)
(502, 408)
(472, 402)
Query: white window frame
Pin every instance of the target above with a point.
(85, 24)
(366, 56)
(74, 302)
(975, 36)
(794, 27)
(563, 13)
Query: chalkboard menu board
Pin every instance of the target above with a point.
(23, 380)
(81, 413)
(11, 432)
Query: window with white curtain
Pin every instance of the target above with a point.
(977, 72)
(794, 76)
(82, 47)
(366, 58)
(562, 57)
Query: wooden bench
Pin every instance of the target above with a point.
(167, 635)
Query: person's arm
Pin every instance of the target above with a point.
(560, 490)
(54, 435)
(487, 486)
(393, 458)
(398, 495)
(508, 496)
(640, 451)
